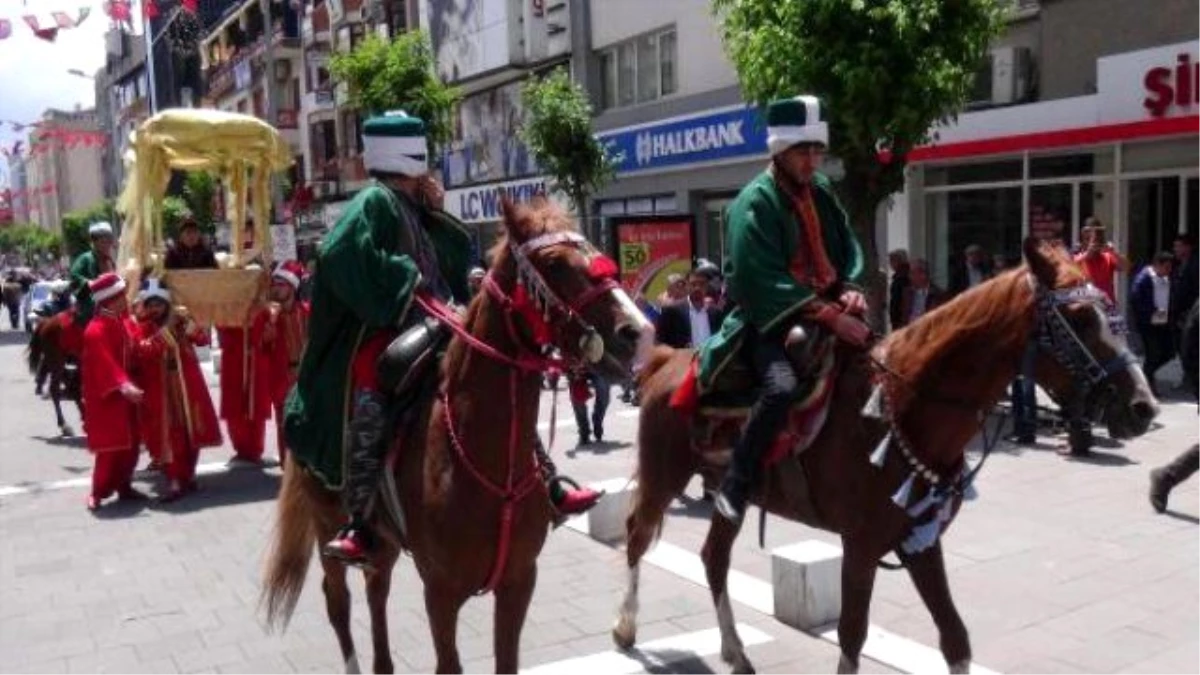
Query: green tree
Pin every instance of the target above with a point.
(885, 70)
(75, 225)
(199, 191)
(558, 132)
(31, 242)
(399, 74)
(174, 211)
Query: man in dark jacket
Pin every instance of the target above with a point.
(974, 269)
(1151, 302)
(1185, 283)
(898, 261)
(190, 252)
(690, 322)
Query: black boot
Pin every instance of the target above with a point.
(1164, 479)
(355, 542)
(734, 494)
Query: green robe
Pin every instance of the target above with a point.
(763, 234)
(85, 268)
(367, 271)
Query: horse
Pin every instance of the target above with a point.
(894, 483)
(477, 511)
(48, 357)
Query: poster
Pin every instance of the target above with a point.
(649, 249)
(283, 242)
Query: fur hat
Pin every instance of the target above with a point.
(154, 289)
(395, 143)
(791, 121)
(106, 286)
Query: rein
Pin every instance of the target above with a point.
(511, 492)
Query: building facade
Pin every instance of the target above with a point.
(122, 102)
(63, 174)
(1092, 110)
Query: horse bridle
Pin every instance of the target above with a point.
(548, 302)
(1055, 336)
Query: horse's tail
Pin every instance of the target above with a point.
(33, 354)
(291, 551)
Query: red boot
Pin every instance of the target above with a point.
(571, 499)
(352, 545)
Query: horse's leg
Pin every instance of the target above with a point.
(858, 581)
(442, 604)
(512, 602)
(379, 585)
(928, 572)
(337, 606)
(56, 397)
(716, 554)
(651, 498)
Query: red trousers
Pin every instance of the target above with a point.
(248, 437)
(362, 371)
(113, 472)
(182, 467)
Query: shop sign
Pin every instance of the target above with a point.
(727, 133)
(1155, 83)
(481, 203)
(650, 249)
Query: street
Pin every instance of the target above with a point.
(1058, 566)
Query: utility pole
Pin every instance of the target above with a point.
(269, 104)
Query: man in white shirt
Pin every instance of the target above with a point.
(1151, 300)
(690, 322)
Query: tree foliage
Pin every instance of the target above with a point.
(199, 191)
(399, 74)
(885, 70)
(31, 242)
(558, 132)
(75, 225)
(174, 211)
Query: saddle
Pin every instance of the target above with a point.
(721, 411)
(407, 361)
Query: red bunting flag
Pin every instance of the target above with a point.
(149, 9)
(189, 5)
(63, 19)
(6, 28)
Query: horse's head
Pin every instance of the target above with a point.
(568, 292)
(1080, 359)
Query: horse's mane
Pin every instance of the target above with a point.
(998, 310)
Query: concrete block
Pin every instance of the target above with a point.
(606, 520)
(807, 578)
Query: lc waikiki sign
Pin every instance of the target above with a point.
(721, 134)
(481, 203)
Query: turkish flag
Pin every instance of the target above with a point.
(149, 9)
(189, 5)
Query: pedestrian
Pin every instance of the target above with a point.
(177, 417)
(1165, 478)
(109, 395)
(687, 324)
(1150, 302)
(286, 335)
(582, 384)
(190, 252)
(898, 262)
(1185, 287)
(1100, 261)
(12, 299)
(675, 291)
(920, 295)
(975, 268)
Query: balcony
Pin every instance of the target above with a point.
(245, 66)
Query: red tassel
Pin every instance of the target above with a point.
(687, 397)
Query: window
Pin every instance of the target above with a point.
(638, 70)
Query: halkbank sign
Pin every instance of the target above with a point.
(725, 133)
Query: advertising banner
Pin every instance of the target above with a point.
(651, 248)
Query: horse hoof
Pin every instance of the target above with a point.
(845, 665)
(624, 635)
(960, 667)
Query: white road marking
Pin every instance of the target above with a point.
(656, 654)
(34, 488)
(881, 645)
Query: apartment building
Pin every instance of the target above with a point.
(62, 175)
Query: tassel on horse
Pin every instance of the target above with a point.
(900, 498)
(879, 455)
(922, 506)
(922, 536)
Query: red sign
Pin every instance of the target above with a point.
(1166, 87)
(286, 119)
(651, 249)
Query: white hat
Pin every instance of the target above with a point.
(154, 289)
(792, 121)
(395, 142)
(100, 229)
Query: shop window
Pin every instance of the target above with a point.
(1061, 166)
(988, 218)
(639, 70)
(1050, 212)
(962, 174)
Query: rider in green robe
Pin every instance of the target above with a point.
(792, 257)
(392, 241)
(89, 265)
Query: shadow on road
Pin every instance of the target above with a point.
(13, 337)
(62, 441)
(240, 485)
(1182, 516)
(690, 507)
(598, 448)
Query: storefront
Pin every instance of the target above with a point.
(478, 206)
(1126, 155)
(692, 164)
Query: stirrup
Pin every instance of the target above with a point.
(348, 550)
(561, 516)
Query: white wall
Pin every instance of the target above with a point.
(702, 65)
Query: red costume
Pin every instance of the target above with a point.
(177, 414)
(287, 335)
(110, 419)
(246, 385)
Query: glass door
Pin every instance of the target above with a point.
(713, 246)
(1153, 216)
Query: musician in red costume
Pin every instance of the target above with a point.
(109, 394)
(286, 335)
(177, 416)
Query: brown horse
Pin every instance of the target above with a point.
(938, 378)
(49, 358)
(477, 511)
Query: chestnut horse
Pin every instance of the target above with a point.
(938, 379)
(476, 505)
(48, 358)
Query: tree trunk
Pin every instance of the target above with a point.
(862, 219)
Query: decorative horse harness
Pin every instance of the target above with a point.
(545, 312)
(1052, 334)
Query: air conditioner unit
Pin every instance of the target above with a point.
(1012, 71)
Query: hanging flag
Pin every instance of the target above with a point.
(6, 28)
(63, 19)
(149, 9)
(189, 5)
(32, 21)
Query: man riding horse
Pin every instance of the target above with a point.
(792, 259)
(90, 265)
(392, 242)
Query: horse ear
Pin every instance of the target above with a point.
(1040, 262)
